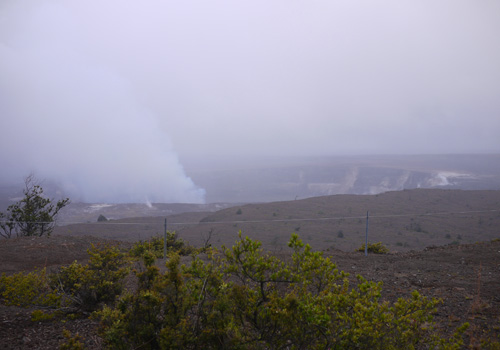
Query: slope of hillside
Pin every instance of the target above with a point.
(403, 220)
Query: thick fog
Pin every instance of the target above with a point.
(107, 96)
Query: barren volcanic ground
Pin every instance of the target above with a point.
(401, 220)
(466, 278)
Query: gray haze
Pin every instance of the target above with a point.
(107, 96)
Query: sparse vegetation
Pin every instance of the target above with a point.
(415, 226)
(207, 313)
(72, 342)
(40, 316)
(242, 297)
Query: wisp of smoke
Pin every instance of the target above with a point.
(74, 119)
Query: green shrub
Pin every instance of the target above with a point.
(82, 286)
(155, 246)
(40, 315)
(375, 248)
(100, 281)
(243, 298)
(71, 342)
(23, 289)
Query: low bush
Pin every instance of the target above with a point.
(24, 289)
(375, 248)
(100, 281)
(235, 298)
(72, 342)
(40, 315)
(243, 298)
(83, 287)
(155, 246)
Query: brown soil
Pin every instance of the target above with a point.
(465, 277)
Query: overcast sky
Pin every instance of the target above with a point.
(120, 90)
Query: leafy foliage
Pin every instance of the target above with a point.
(40, 315)
(23, 289)
(155, 246)
(243, 298)
(71, 342)
(34, 215)
(100, 281)
(375, 248)
(83, 287)
(236, 298)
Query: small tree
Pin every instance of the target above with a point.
(34, 215)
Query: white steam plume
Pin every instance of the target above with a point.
(71, 117)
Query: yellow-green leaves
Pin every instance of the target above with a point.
(100, 281)
(245, 298)
(23, 289)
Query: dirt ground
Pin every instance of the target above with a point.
(465, 277)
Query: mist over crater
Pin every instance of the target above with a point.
(108, 99)
(288, 178)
